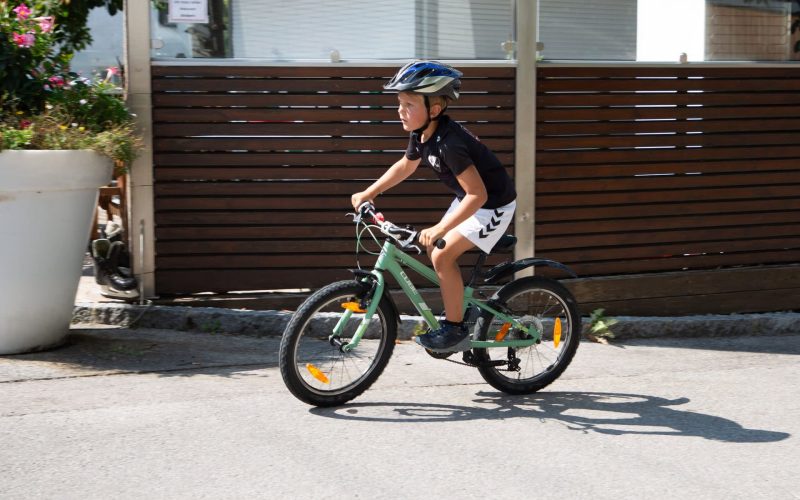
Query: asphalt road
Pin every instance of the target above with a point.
(162, 414)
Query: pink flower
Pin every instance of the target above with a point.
(46, 23)
(25, 40)
(24, 124)
(57, 81)
(110, 72)
(23, 12)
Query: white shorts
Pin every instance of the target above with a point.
(487, 225)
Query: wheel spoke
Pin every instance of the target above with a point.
(537, 303)
(306, 341)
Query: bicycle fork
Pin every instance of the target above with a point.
(376, 286)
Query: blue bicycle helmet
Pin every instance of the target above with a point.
(427, 78)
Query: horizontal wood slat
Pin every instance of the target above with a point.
(261, 100)
(603, 156)
(353, 72)
(288, 115)
(302, 85)
(665, 98)
(302, 129)
(343, 259)
(254, 168)
(300, 144)
(559, 214)
(671, 140)
(241, 159)
(676, 84)
(670, 126)
(658, 169)
(663, 169)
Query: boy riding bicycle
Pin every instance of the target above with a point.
(485, 194)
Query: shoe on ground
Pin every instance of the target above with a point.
(105, 271)
(449, 337)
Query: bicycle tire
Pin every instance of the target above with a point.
(533, 300)
(317, 371)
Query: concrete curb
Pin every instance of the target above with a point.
(272, 323)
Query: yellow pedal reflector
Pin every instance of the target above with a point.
(502, 332)
(557, 332)
(352, 306)
(317, 373)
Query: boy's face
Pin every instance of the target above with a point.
(411, 108)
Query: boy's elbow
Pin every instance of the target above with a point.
(481, 198)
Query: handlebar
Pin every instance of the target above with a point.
(392, 230)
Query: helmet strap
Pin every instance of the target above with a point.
(428, 115)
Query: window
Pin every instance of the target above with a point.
(299, 30)
(670, 31)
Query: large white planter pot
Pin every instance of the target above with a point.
(47, 199)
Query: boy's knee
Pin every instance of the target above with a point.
(441, 258)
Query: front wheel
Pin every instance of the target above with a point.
(314, 366)
(542, 305)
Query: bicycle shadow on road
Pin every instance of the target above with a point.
(603, 413)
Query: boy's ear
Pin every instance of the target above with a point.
(436, 110)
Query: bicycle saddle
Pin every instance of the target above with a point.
(504, 243)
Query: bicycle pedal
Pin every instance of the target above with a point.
(470, 359)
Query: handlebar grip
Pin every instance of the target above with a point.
(440, 243)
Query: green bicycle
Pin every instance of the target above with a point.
(340, 339)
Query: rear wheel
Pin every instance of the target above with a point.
(314, 366)
(544, 305)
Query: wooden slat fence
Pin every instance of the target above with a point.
(254, 167)
(670, 170)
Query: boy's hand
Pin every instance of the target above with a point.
(360, 198)
(429, 236)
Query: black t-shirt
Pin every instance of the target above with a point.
(452, 149)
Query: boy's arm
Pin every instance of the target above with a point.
(474, 199)
(396, 174)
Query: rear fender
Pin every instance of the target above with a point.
(507, 268)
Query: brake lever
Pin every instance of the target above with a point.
(364, 211)
(408, 242)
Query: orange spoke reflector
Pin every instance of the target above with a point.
(317, 373)
(557, 332)
(502, 332)
(353, 306)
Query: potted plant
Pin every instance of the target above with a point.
(60, 137)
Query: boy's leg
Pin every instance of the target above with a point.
(445, 262)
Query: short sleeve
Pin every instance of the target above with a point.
(412, 151)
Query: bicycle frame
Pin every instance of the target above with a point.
(392, 260)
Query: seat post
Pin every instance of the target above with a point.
(476, 269)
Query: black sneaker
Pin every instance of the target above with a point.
(448, 337)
